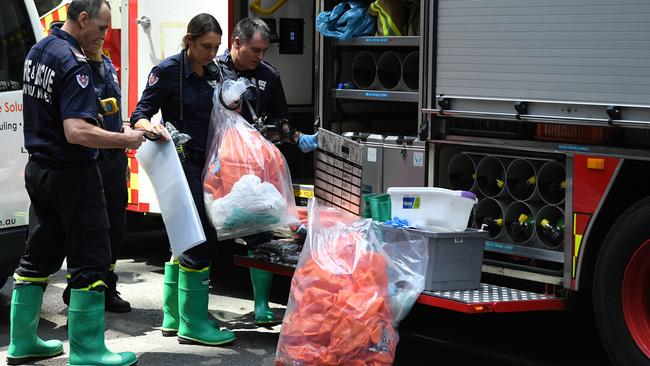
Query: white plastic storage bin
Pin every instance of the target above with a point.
(431, 208)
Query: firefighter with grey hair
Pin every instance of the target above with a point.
(67, 215)
(264, 104)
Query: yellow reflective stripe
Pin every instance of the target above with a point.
(134, 181)
(174, 262)
(186, 269)
(391, 24)
(94, 285)
(578, 242)
(385, 17)
(382, 22)
(111, 268)
(575, 246)
(30, 279)
(68, 276)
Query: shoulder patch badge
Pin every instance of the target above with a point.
(153, 79)
(82, 79)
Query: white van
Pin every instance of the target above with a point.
(20, 29)
(145, 32)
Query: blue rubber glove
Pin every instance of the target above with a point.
(308, 143)
(397, 222)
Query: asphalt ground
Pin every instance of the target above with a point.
(140, 282)
(427, 336)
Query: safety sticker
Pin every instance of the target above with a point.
(411, 203)
(418, 159)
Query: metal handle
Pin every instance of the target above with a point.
(145, 22)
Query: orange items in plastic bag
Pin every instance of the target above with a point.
(258, 159)
(247, 183)
(339, 319)
(339, 310)
(328, 216)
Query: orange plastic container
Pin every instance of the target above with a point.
(571, 133)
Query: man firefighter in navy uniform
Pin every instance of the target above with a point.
(264, 105)
(113, 164)
(67, 216)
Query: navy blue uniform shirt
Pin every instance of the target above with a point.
(266, 95)
(57, 85)
(107, 86)
(163, 92)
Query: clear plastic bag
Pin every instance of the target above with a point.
(340, 309)
(247, 184)
(407, 267)
(346, 20)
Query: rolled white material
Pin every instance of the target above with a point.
(160, 162)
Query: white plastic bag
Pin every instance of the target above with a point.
(247, 183)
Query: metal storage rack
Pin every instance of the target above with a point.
(441, 106)
(329, 54)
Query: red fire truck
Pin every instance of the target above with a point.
(540, 108)
(554, 95)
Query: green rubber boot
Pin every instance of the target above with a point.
(170, 300)
(24, 344)
(195, 327)
(86, 332)
(261, 281)
(171, 318)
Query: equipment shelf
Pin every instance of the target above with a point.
(406, 41)
(487, 299)
(492, 299)
(378, 95)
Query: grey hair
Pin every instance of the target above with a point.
(246, 28)
(91, 7)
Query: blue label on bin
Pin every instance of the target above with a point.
(410, 203)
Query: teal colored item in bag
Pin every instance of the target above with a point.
(240, 217)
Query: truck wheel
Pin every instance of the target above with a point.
(621, 292)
